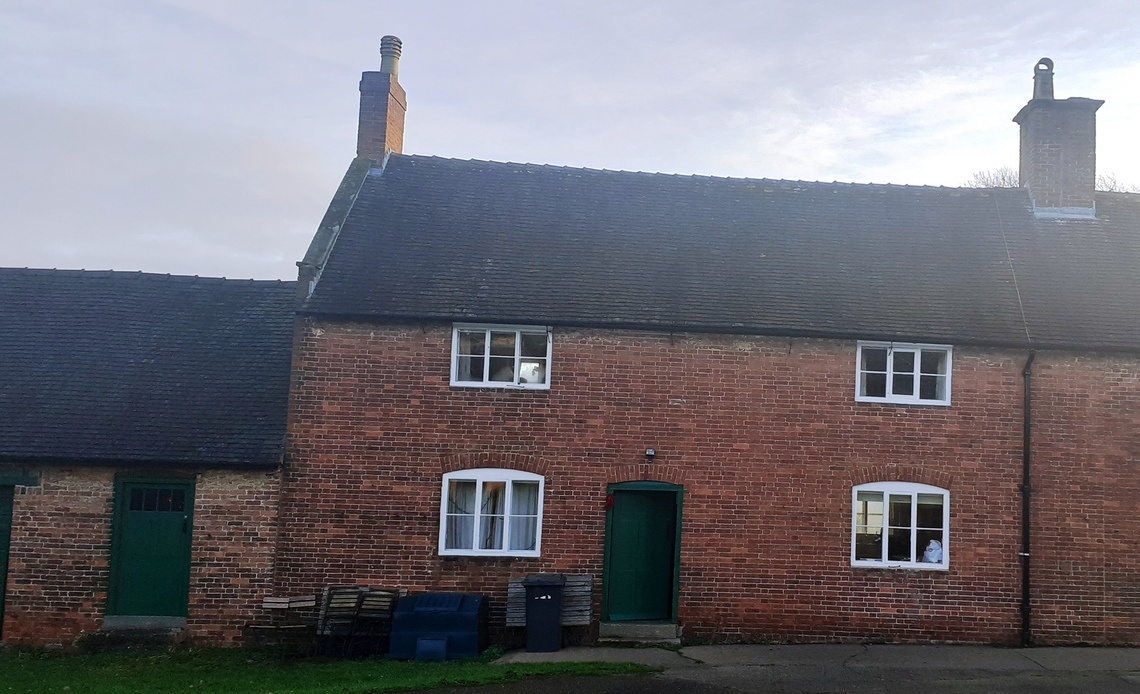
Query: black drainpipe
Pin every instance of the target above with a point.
(1026, 494)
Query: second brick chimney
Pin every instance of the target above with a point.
(1058, 149)
(382, 106)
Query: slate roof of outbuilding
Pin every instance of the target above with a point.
(139, 369)
(440, 239)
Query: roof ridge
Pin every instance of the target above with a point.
(137, 274)
(655, 174)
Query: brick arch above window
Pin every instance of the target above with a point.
(895, 472)
(645, 472)
(490, 459)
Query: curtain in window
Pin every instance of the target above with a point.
(460, 514)
(524, 516)
(491, 514)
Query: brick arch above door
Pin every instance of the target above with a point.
(645, 472)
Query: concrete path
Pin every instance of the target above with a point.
(845, 668)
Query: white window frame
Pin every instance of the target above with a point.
(894, 348)
(902, 488)
(482, 476)
(488, 328)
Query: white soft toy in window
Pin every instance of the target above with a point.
(933, 553)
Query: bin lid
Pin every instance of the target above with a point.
(438, 602)
(544, 580)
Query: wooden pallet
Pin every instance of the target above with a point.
(577, 601)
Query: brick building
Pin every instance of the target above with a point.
(749, 408)
(142, 423)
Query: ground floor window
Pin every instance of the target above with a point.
(491, 511)
(900, 525)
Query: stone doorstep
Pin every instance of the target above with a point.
(639, 632)
(137, 635)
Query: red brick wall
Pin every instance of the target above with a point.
(1086, 511)
(61, 547)
(767, 440)
(57, 565)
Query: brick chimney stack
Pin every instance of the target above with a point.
(382, 106)
(1058, 149)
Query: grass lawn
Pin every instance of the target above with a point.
(240, 671)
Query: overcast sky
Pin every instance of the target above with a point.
(207, 136)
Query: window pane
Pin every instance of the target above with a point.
(164, 496)
(534, 345)
(471, 369)
(873, 385)
(490, 532)
(524, 498)
(900, 510)
(523, 532)
(869, 543)
(136, 500)
(898, 545)
(874, 359)
(178, 502)
(932, 387)
(930, 544)
(933, 361)
(461, 496)
(494, 497)
(472, 342)
(903, 362)
(532, 371)
(903, 385)
(930, 510)
(503, 369)
(150, 502)
(869, 509)
(503, 344)
(460, 532)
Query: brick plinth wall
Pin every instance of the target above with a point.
(767, 440)
(61, 548)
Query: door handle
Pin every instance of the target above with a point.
(185, 524)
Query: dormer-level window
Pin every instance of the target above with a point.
(501, 356)
(903, 373)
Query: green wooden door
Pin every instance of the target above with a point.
(641, 569)
(150, 559)
(5, 541)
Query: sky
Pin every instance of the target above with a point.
(206, 137)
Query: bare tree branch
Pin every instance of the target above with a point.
(1001, 177)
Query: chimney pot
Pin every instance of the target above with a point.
(390, 49)
(382, 106)
(1042, 79)
(1058, 150)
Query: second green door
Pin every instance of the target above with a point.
(641, 570)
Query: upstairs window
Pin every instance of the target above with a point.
(900, 525)
(903, 373)
(489, 511)
(488, 356)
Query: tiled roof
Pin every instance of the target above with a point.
(139, 369)
(441, 239)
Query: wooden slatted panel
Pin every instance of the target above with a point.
(577, 601)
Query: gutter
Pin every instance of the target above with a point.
(1026, 496)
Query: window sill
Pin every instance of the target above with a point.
(902, 567)
(488, 555)
(498, 386)
(893, 401)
